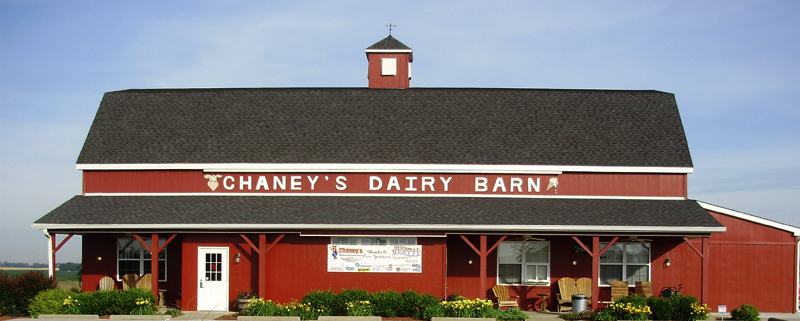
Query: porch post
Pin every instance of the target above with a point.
(483, 253)
(261, 249)
(53, 251)
(595, 253)
(704, 269)
(52, 258)
(706, 274)
(154, 264)
(262, 265)
(595, 272)
(154, 250)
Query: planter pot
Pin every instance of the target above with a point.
(241, 303)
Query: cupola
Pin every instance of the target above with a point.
(389, 64)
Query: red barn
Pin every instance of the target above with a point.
(441, 190)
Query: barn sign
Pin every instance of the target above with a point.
(375, 258)
(366, 183)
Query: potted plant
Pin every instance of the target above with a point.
(243, 297)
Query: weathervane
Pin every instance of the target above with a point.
(390, 25)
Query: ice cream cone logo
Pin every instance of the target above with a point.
(212, 181)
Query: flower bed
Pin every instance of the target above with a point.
(632, 307)
(386, 304)
(129, 302)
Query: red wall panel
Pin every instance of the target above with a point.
(398, 81)
(297, 265)
(753, 264)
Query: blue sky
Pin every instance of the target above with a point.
(733, 65)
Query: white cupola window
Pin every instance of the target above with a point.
(388, 66)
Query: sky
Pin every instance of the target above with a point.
(734, 67)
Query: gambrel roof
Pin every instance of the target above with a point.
(633, 128)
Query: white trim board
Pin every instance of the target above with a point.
(389, 168)
(394, 227)
(488, 195)
(751, 218)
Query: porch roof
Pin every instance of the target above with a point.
(458, 214)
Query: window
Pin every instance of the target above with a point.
(132, 257)
(388, 66)
(628, 262)
(374, 240)
(523, 262)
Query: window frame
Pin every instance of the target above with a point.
(524, 264)
(625, 264)
(373, 240)
(144, 259)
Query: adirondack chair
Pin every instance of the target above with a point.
(106, 284)
(129, 281)
(584, 286)
(566, 288)
(644, 289)
(503, 299)
(619, 289)
(145, 282)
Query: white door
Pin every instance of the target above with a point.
(212, 273)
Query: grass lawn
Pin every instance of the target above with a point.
(66, 280)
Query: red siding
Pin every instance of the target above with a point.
(105, 245)
(376, 80)
(297, 265)
(753, 264)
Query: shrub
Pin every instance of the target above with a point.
(299, 309)
(468, 308)
(17, 291)
(455, 297)
(57, 301)
(136, 301)
(321, 301)
(631, 307)
(660, 308)
(359, 308)
(745, 312)
(102, 303)
(512, 314)
(260, 307)
(433, 311)
(48, 302)
(347, 295)
(687, 308)
(414, 303)
(386, 304)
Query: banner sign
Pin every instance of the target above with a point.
(375, 258)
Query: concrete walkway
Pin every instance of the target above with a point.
(551, 316)
(534, 316)
(202, 315)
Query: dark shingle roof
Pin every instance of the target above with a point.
(374, 126)
(366, 211)
(389, 43)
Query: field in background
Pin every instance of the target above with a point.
(66, 280)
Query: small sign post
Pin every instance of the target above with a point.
(722, 309)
